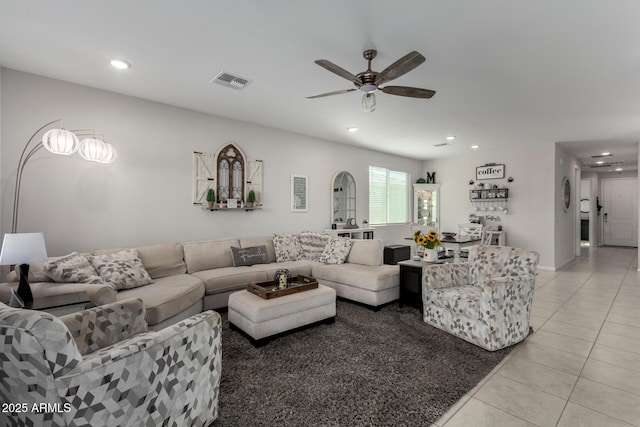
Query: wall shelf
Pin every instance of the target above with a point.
(490, 199)
(489, 194)
(206, 208)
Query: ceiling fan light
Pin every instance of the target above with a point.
(93, 149)
(60, 141)
(368, 102)
(368, 88)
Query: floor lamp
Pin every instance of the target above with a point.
(63, 142)
(24, 248)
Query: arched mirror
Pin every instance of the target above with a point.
(343, 197)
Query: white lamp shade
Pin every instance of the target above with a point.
(93, 149)
(23, 248)
(110, 154)
(60, 141)
(368, 102)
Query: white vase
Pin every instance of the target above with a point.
(430, 255)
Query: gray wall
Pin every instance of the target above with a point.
(144, 197)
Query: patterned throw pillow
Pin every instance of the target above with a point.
(122, 270)
(72, 268)
(337, 250)
(287, 247)
(249, 256)
(312, 244)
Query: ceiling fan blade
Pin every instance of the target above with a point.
(413, 92)
(402, 66)
(328, 65)
(337, 92)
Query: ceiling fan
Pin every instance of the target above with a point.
(369, 81)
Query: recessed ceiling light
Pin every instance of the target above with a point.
(475, 147)
(352, 129)
(599, 162)
(606, 153)
(618, 169)
(119, 64)
(451, 138)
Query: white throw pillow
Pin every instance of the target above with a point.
(123, 270)
(312, 245)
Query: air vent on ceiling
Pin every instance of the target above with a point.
(442, 144)
(229, 80)
(597, 156)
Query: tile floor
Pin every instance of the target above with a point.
(581, 367)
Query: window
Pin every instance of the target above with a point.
(387, 196)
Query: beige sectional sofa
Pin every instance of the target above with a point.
(195, 276)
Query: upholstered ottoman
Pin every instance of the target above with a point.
(265, 319)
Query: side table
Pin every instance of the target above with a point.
(411, 282)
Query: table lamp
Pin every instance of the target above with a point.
(22, 249)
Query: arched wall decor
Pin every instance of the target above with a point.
(229, 173)
(231, 167)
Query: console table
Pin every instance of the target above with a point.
(352, 233)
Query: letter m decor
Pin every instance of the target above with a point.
(493, 171)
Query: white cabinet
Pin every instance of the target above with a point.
(426, 205)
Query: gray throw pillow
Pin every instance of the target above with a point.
(287, 247)
(123, 270)
(249, 256)
(337, 250)
(72, 268)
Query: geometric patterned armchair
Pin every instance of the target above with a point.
(102, 367)
(486, 301)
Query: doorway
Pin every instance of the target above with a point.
(587, 237)
(620, 212)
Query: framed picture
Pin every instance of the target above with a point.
(489, 172)
(299, 193)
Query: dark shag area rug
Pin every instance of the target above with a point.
(385, 368)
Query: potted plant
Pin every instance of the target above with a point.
(429, 242)
(211, 197)
(251, 199)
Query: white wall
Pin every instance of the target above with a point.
(144, 197)
(529, 223)
(565, 222)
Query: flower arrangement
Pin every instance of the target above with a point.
(431, 240)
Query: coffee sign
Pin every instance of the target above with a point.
(490, 172)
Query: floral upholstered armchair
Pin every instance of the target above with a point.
(486, 301)
(101, 367)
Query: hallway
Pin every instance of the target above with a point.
(581, 367)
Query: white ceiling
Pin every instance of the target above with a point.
(506, 72)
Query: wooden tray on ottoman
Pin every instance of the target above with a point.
(295, 284)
